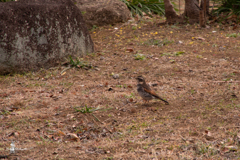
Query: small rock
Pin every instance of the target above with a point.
(180, 42)
(222, 48)
(116, 76)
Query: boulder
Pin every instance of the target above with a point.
(38, 34)
(103, 12)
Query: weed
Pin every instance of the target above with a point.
(214, 45)
(209, 128)
(203, 149)
(170, 147)
(192, 91)
(84, 110)
(108, 158)
(139, 57)
(89, 109)
(77, 63)
(155, 42)
(119, 86)
(227, 79)
(235, 35)
(91, 54)
(94, 27)
(145, 147)
(175, 26)
(66, 84)
(166, 42)
(199, 56)
(4, 112)
(130, 96)
(137, 7)
(178, 53)
(144, 124)
(134, 27)
(179, 117)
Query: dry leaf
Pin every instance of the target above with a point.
(130, 86)
(129, 50)
(200, 38)
(130, 99)
(72, 137)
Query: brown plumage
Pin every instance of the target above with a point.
(146, 92)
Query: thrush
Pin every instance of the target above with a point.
(146, 92)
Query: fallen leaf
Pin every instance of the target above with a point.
(129, 50)
(72, 137)
(200, 38)
(129, 86)
(130, 99)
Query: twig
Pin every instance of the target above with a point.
(179, 8)
(233, 127)
(226, 81)
(211, 82)
(108, 129)
(102, 123)
(97, 118)
(183, 138)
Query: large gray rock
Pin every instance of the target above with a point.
(103, 12)
(40, 33)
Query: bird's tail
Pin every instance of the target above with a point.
(166, 102)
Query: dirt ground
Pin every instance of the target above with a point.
(95, 112)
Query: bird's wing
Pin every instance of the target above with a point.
(148, 90)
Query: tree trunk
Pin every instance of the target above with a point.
(202, 20)
(191, 13)
(170, 13)
(203, 14)
(201, 6)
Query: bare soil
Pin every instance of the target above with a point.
(96, 113)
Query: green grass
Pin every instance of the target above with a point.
(235, 35)
(149, 7)
(139, 57)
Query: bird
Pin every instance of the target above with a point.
(146, 92)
